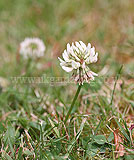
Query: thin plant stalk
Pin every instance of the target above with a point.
(73, 102)
(29, 67)
(117, 77)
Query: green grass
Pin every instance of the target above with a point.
(32, 115)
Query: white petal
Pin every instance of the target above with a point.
(90, 75)
(75, 48)
(83, 65)
(87, 54)
(93, 73)
(88, 50)
(75, 65)
(89, 45)
(83, 45)
(67, 69)
(94, 58)
(61, 60)
(92, 51)
(87, 60)
(65, 56)
(73, 54)
(79, 46)
(62, 64)
(68, 47)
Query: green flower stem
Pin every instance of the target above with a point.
(29, 67)
(73, 102)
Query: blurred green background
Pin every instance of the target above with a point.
(108, 25)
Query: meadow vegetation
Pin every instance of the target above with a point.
(32, 114)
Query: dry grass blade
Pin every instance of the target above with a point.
(119, 147)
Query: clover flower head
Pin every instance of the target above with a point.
(77, 58)
(32, 48)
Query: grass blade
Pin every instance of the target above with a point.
(123, 130)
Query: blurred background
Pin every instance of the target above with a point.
(108, 25)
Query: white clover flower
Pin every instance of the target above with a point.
(76, 58)
(32, 47)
